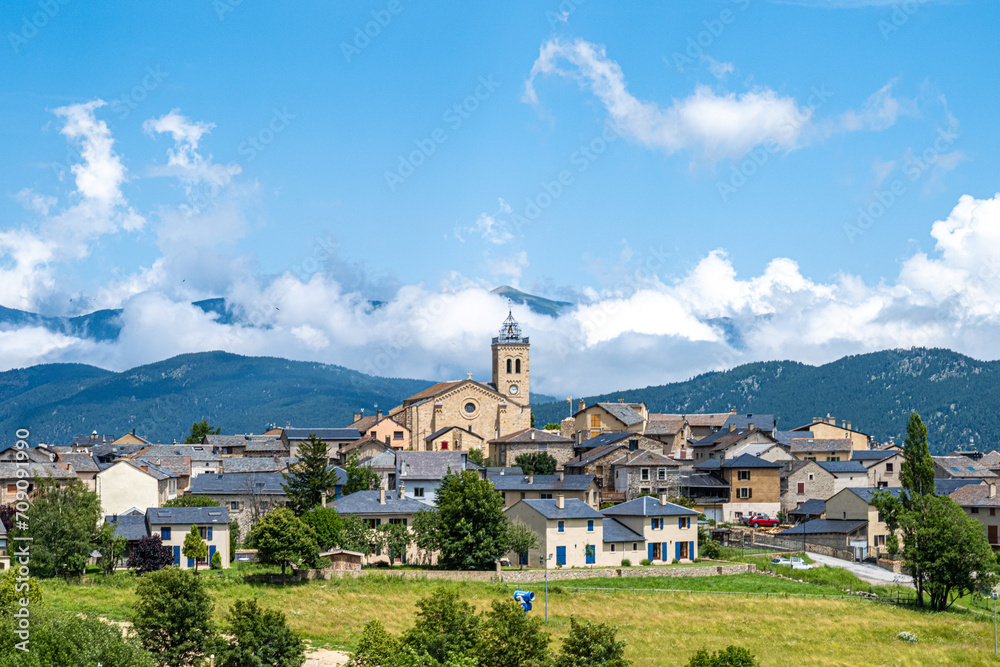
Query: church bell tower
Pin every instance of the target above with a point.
(510, 362)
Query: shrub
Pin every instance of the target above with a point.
(593, 644)
(646, 562)
(731, 656)
(63, 638)
(216, 561)
(173, 615)
(260, 637)
(626, 562)
(709, 549)
(675, 561)
(907, 637)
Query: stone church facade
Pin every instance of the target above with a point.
(489, 411)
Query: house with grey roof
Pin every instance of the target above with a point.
(85, 466)
(592, 421)
(642, 472)
(855, 504)
(256, 463)
(568, 529)
(961, 467)
(236, 445)
(515, 488)
(128, 483)
(822, 449)
(670, 531)
(172, 525)
(246, 495)
(506, 449)
(12, 473)
(422, 472)
(334, 438)
(203, 458)
(821, 480)
(981, 503)
(388, 507)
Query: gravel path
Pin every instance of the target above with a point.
(873, 574)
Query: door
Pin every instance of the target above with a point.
(991, 533)
(591, 554)
(177, 555)
(560, 555)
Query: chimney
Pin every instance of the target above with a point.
(732, 427)
(621, 400)
(751, 426)
(378, 414)
(532, 435)
(993, 490)
(402, 491)
(849, 426)
(560, 502)
(663, 498)
(583, 405)
(561, 476)
(732, 410)
(381, 496)
(357, 416)
(531, 478)
(322, 499)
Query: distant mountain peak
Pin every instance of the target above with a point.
(537, 304)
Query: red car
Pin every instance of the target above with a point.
(762, 520)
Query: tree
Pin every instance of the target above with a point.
(198, 432)
(62, 522)
(65, 639)
(260, 638)
(445, 627)
(172, 616)
(149, 554)
(10, 596)
(355, 534)
(551, 426)
(191, 501)
(592, 644)
(476, 456)
(111, 546)
(426, 526)
(731, 656)
(945, 550)
(255, 502)
(538, 463)
(521, 539)
(310, 477)
(395, 539)
(194, 547)
(532, 424)
(511, 638)
(234, 538)
(281, 537)
(375, 646)
(359, 477)
(916, 474)
(328, 524)
(216, 563)
(473, 526)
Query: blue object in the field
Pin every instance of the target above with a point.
(525, 598)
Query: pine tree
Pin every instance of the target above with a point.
(310, 477)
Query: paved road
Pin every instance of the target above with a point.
(871, 573)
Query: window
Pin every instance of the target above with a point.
(12, 488)
(684, 522)
(594, 434)
(633, 445)
(444, 445)
(888, 467)
(800, 488)
(743, 475)
(656, 524)
(545, 496)
(590, 525)
(599, 471)
(164, 534)
(879, 517)
(265, 506)
(522, 495)
(644, 474)
(744, 492)
(470, 407)
(975, 510)
(562, 527)
(517, 365)
(397, 435)
(595, 421)
(661, 473)
(508, 365)
(833, 458)
(418, 492)
(644, 490)
(234, 505)
(634, 547)
(811, 476)
(543, 447)
(993, 511)
(810, 458)
(880, 540)
(612, 547)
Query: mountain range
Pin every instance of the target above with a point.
(956, 396)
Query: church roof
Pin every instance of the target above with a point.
(432, 390)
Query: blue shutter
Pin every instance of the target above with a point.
(190, 562)
(678, 545)
(691, 554)
(209, 533)
(177, 555)
(165, 534)
(590, 525)
(680, 522)
(211, 553)
(652, 524)
(650, 549)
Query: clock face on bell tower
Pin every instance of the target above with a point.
(511, 361)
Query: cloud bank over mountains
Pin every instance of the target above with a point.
(641, 330)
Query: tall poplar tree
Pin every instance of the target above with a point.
(916, 474)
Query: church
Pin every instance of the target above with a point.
(465, 414)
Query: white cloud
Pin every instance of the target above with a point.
(717, 69)
(880, 111)
(183, 161)
(723, 125)
(100, 176)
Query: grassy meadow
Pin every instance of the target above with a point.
(661, 627)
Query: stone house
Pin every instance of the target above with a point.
(12, 473)
(515, 488)
(821, 480)
(961, 467)
(729, 443)
(85, 466)
(247, 496)
(179, 465)
(453, 438)
(422, 472)
(981, 502)
(704, 425)
(204, 458)
(236, 445)
(365, 448)
(334, 439)
(599, 418)
(854, 504)
(640, 472)
(883, 466)
(506, 449)
(382, 428)
(671, 430)
(597, 462)
(755, 486)
(670, 531)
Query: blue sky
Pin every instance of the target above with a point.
(708, 160)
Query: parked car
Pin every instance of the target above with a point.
(794, 562)
(762, 520)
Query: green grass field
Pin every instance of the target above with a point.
(661, 628)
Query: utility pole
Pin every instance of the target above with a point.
(545, 562)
